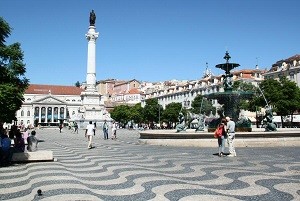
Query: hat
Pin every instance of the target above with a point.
(227, 118)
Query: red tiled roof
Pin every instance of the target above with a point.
(134, 91)
(246, 76)
(53, 89)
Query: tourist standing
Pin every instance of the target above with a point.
(231, 136)
(105, 130)
(114, 130)
(89, 131)
(220, 133)
(25, 134)
(32, 142)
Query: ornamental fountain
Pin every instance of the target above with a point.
(229, 99)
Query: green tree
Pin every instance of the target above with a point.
(283, 96)
(207, 106)
(271, 89)
(170, 114)
(77, 84)
(121, 114)
(244, 87)
(151, 110)
(136, 113)
(290, 100)
(12, 80)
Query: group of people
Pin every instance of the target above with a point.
(90, 131)
(71, 125)
(226, 131)
(13, 141)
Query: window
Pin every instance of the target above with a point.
(43, 113)
(36, 112)
(61, 113)
(22, 113)
(28, 113)
(49, 114)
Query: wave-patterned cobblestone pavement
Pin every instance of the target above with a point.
(125, 170)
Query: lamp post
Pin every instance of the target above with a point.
(159, 115)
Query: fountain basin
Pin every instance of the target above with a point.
(190, 138)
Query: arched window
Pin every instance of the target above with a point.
(28, 113)
(22, 113)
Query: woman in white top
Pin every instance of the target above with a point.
(114, 130)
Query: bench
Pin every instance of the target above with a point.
(40, 155)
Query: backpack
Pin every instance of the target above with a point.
(219, 131)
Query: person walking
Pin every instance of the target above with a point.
(95, 126)
(75, 127)
(114, 130)
(231, 136)
(89, 131)
(105, 130)
(60, 127)
(220, 133)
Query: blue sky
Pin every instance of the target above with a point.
(150, 40)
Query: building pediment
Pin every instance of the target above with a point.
(49, 100)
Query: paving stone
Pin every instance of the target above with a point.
(123, 169)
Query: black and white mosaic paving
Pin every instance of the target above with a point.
(122, 169)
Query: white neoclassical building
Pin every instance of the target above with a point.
(48, 104)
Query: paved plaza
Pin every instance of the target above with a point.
(126, 170)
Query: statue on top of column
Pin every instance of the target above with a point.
(92, 18)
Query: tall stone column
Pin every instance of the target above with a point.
(91, 36)
(91, 99)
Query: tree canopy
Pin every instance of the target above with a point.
(13, 82)
(207, 106)
(151, 110)
(282, 95)
(121, 114)
(170, 114)
(77, 84)
(136, 113)
(244, 87)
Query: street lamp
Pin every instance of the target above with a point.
(159, 115)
